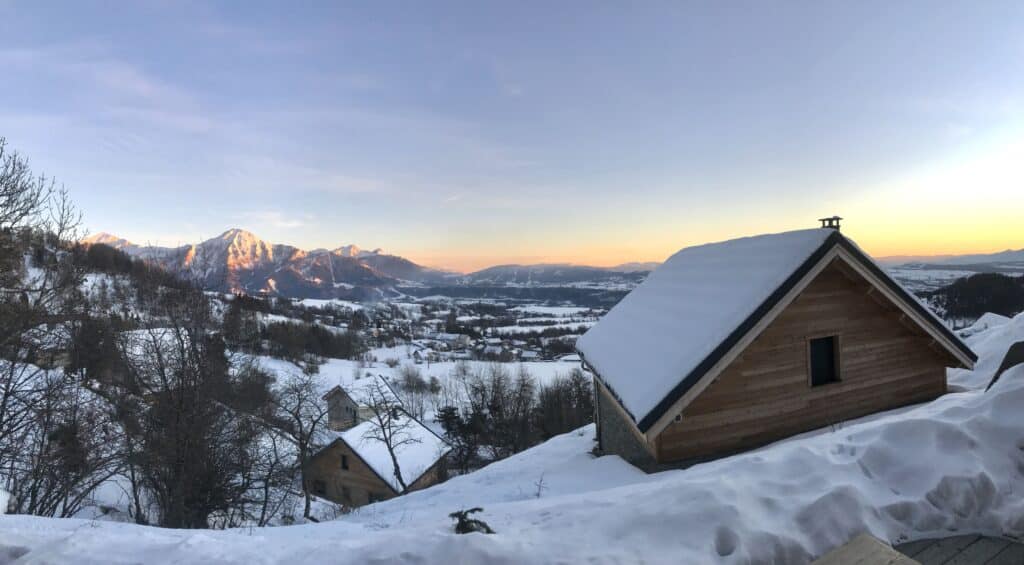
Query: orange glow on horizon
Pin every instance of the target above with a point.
(919, 245)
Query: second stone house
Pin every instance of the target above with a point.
(356, 467)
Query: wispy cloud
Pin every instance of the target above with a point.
(274, 219)
(94, 70)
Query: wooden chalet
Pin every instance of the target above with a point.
(732, 345)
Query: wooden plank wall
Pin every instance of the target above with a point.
(359, 478)
(765, 394)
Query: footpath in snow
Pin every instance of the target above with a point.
(952, 466)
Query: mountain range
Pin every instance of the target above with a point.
(239, 261)
(1007, 256)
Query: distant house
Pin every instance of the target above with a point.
(355, 468)
(495, 353)
(732, 345)
(347, 408)
(454, 341)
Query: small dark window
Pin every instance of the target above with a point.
(344, 461)
(346, 494)
(824, 361)
(319, 488)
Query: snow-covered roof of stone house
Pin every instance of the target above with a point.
(366, 390)
(414, 458)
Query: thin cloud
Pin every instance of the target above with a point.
(273, 219)
(91, 67)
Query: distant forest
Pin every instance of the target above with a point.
(970, 297)
(586, 297)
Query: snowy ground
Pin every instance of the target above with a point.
(344, 372)
(952, 465)
(917, 279)
(529, 329)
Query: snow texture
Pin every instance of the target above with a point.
(423, 449)
(662, 330)
(373, 389)
(991, 332)
(952, 466)
(350, 374)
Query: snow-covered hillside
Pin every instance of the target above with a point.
(952, 465)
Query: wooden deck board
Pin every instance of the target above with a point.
(945, 549)
(981, 551)
(1012, 555)
(913, 548)
(964, 550)
(864, 550)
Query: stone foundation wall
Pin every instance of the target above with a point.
(616, 436)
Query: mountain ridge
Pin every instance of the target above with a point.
(1006, 255)
(237, 260)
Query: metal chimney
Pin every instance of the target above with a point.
(831, 223)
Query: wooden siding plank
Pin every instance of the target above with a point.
(764, 395)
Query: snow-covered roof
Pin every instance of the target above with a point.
(659, 337)
(367, 390)
(414, 458)
(662, 330)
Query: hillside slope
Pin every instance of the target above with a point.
(950, 465)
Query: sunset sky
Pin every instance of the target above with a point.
(468, 134)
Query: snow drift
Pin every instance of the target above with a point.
(955, 465)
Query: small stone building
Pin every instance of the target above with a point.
(733, 345)
(355, 468)
(347, 407)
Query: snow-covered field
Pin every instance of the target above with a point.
(955, 465)
(537, 328)
(345, 373)
(336, 303)
(553, 311)
(917, 279)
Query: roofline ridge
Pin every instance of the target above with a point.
(652, 416)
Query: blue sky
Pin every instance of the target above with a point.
(466, 134)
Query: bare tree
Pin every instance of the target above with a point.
(44, 427)
(302, 413)
(195, 435)
(414, 390)
(389, 424)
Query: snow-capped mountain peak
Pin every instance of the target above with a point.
(241, 249)
(107, 239)
(239, 260)
(355, 251)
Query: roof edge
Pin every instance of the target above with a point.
(604, 383)
(447, 445)
(659, 410)
(907, 298)
(835, 239)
